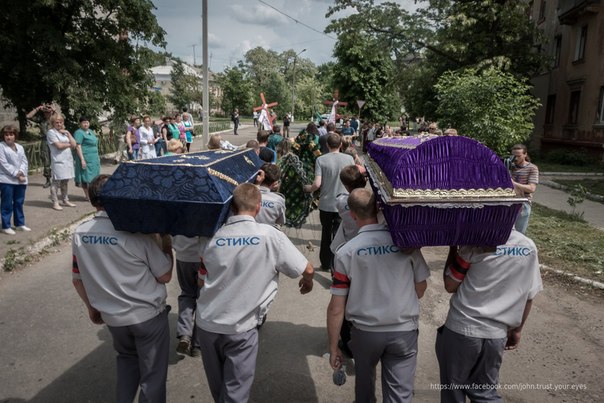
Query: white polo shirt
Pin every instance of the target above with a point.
(243, 261)
(491, 298)
(188, 249)
(348, 228)
(119, 271)
(272, 209)
(379, 280)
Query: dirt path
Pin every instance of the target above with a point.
(52, 353)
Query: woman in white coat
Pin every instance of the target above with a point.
(147, 139)
(13, 180)
(61, 142)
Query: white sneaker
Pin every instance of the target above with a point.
(9, 231)
(68, 203)
(23, 228)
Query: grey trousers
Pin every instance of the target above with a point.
(142, 359)
(229, 361)
(397, 352)
(465, 361)
(55, 186)
(187, 300)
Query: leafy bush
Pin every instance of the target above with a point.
(489, 105)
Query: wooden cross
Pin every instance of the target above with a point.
(266, 118)
(336, 103)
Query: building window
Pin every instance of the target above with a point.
(573, 110)
(580, 45)
(600, 111)
(542, 11)
(557, 51)
(550, 109)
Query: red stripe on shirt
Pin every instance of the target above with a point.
(340, 280)
(462, 263)
(74, 265)
(454, 273)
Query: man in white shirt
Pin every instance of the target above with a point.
(493, 290)
(238, 283)
(121, 278)
(377, 287)
(327, 178)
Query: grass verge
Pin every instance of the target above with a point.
(594, 186)
(567, 242)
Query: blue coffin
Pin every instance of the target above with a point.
(185, 194)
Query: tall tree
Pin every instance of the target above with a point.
(236, 90)
(186, 86)
(444, 35)
(364, 70)
(82, 54)
(491, 106)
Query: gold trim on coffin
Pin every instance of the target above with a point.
(193, 156)
(222, 176)
(452, 193)
(410, 197)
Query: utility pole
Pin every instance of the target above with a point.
(194, 59)
(206, 95)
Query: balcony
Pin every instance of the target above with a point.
(570, 10)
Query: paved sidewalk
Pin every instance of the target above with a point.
(593, 212)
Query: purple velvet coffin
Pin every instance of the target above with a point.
(186, 194)
(442, 190)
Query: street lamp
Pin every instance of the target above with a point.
(294, 83)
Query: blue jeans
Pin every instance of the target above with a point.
(12, 198)
(159, 146)
(523, 218)
(134, 155)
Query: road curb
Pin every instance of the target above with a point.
(574, 277)
(556, 185)
(36, 248)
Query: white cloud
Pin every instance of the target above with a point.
(214, 41)
(257, 15)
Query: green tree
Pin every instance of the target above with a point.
(156, 104)
(236, 90)
(186, 87)
(82, 54)
(309, 97)
(364, 70)
(490, 105)
(444, 35)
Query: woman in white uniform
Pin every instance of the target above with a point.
(147, 139)
(61, 142)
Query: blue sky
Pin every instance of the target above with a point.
(236, 26)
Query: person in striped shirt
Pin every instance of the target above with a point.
(525, 177)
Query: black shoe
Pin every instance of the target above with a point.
(184, 345)
(46, 185)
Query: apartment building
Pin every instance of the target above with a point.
(571, 89)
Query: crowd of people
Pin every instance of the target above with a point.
(121, 277)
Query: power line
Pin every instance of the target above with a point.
(297, 21)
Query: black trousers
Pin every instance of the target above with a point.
(330, 222)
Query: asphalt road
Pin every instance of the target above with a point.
(52, 353)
